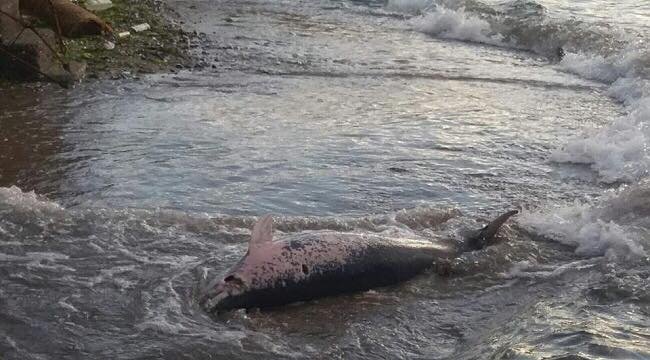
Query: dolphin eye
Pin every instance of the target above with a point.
(232, 279)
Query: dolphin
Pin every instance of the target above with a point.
(312, 265)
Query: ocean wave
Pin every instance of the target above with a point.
(593, 50)
(14, 199)
(618, 152)
(29, 215)
(457, 25)
(615, 226)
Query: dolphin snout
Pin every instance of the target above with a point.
(212, 294)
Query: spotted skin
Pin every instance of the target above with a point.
(320, 264)
(316, 264)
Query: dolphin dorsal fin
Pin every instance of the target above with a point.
(262, 232)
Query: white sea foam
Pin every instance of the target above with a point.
(594, 67)
(16, 199)
(456, 24)
(618, 151)
(40, 260)
(67, 305)
(612, 226)
(530, 270)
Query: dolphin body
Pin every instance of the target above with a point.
(318, 264)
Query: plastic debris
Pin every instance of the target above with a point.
(141, 27)
(98, 5)
(109, 45)
(123, 34)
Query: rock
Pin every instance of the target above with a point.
(9, 28)
(74, 20)
(37, 59)
(29, 56)
(74, 72)
(23, 69)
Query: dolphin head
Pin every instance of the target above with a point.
(223, 291)
(231, 290)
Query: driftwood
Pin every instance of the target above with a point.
(71, 19)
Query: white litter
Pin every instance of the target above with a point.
(98, 5)
(141, 27)
(123, 34)
(109, 45)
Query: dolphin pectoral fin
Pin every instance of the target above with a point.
(262, 232)
(485, 236)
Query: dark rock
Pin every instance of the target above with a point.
(21, 64)
(73, 20)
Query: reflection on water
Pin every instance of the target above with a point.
(241, 145)
(31, 139)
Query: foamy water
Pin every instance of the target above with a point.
(591, 49)
(416, 119)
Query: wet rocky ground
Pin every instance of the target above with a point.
(162, 48)
(165, 47)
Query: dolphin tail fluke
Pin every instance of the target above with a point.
(485, 237)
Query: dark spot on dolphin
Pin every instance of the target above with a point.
(305, 269)
(233, 279)
(297, 245)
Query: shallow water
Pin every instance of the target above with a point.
(410, 119)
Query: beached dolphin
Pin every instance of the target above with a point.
(311, 265)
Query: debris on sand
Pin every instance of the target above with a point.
(141, 27)
(98, 5)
